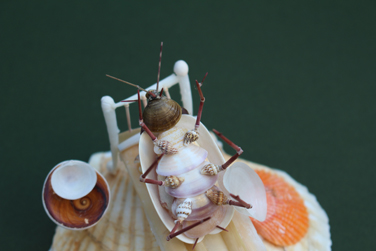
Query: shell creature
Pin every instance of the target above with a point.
(180, 161)
(187, 197)
(186, 164)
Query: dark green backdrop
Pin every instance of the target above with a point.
(291, 82)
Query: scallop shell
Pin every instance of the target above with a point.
(318, 234)
(287, 217)
(161, 114)
(240, 179)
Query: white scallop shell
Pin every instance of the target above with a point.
(240, 179)
(73, 179)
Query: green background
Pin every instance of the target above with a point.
(292, 82)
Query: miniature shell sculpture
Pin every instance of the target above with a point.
(74, 195)
(126, 225)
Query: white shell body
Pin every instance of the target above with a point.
(186, 163)
(73, 179)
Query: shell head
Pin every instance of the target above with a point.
(161, 114)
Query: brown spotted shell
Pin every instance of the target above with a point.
(77, 214)
(173, 181)
(216, 196)
(161, 114)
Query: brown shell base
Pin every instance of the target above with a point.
(80, 213)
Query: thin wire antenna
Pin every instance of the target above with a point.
(137, 86)
(159, 65)
(203, 79)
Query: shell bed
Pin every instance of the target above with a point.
(130, 219)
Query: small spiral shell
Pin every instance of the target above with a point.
(173, 181)
(211, 169)
(216, 196)
(166, 147)
(184, 210)
(190, 136)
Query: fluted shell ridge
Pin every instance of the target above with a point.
(161, 114)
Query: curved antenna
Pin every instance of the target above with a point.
(137, 86)
(159, 66)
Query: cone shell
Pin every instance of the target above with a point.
(184, 210)
(216, 196)
(286, 221)
(77, 214)
(190, 136)
(166, 147)
(173, 181)
(202, 207)
(161, 114)
(210, 169)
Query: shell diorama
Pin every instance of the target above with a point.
(193, 194)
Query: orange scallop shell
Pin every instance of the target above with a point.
(286, 220)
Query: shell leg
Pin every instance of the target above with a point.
(193, 135)
(216, 196)
(214, 169)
